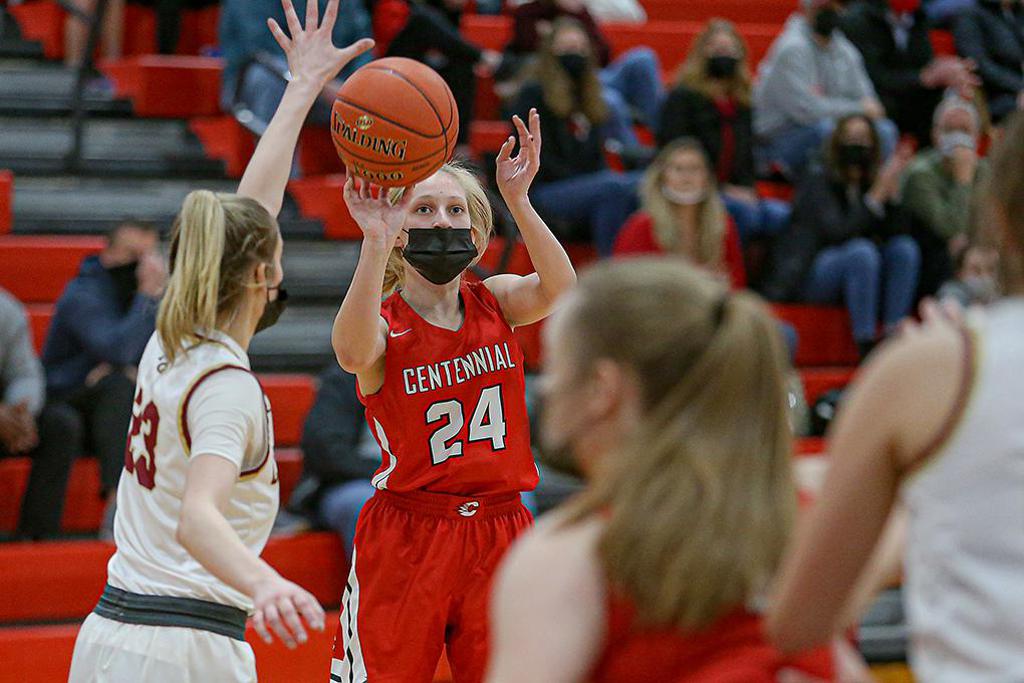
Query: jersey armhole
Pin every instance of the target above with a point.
(947, 429)
(183, 430)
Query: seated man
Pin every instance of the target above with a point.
(49, 435)
(102, 323)
(811, 77)
(938, 187)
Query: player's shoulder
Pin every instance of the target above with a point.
(556, 555)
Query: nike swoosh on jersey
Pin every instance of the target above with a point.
(400, 334)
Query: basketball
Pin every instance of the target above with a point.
(394, 122)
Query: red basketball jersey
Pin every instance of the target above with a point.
(451, 415)
(731, 650)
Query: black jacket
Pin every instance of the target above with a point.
(688, 113)
(565, 153)
(823, 216)
(996, 43)
(895, 72)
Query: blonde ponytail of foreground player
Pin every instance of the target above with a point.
(216, 240)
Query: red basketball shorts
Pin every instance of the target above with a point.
(420, 581)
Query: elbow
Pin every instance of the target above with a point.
(789, 636)
(353, 363)
(188, 526)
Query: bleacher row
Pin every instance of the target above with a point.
(46, 589)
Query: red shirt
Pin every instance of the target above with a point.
(637, 237)
(731, 650)
(451, 415)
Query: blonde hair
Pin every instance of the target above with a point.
(481, 221)
(556, 84)
(711, 213)
(699, 500)
(1002, 198)
(693, 71)
(216, 240)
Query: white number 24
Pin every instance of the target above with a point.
(487, 423)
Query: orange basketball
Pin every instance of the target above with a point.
(394, 122)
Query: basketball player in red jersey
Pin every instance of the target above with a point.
(668, 393)
(441, 376)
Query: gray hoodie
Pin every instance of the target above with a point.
(801, 83)
(21, 374)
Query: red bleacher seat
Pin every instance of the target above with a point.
(155, 84)
(36, 269)
(42, 22)
(6, 201)
(489, 136)
(943, 43)
(825, 335)
(223, 138)
(83, 505)
(291, 397)
(321, 198)
(819, 380)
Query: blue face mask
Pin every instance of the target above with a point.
(440, 254)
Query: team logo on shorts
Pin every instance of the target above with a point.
(364, 122)
(468, 509)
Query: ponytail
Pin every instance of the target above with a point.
(699, 501)
(215, 237)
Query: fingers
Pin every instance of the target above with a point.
(348, 192)
(290, 615)
(312, 14)
(273, 617)
(505, 153)
(311, 611)
(535, 127)
(357, 48)
(330, 15)
(259, 623)
(279, 35)
(524, 134)
(294, 27)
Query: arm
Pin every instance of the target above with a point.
(885, 424)
(21, 374)
(118, 340)
(945, 214)
(313, 61)
(793, 91)
(525, 300)
(555, 581)
(971, 43)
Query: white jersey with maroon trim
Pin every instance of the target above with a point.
(207, 401)
(964, 584)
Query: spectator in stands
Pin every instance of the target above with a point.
(340, 456)
(48, 434)
(811, 76)
(575, 185)
(100, 328)
(977, 277)
(893, 38)
(711, 102)
(681, 213)
(992, 34)
(168, 20)
(942, 13)
(428, 31)
(632, 86)
(938, 188)
(244, 38)
(842, 244)
(76, 30)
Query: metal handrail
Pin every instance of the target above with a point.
(85, 68)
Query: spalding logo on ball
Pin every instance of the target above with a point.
(394, 122)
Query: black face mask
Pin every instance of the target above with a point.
(825, 22)
(854, 155)
(722, 66)
(440, 254)
(125, 282)
(574, 64)
(273, 310)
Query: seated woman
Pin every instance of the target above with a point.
(575, 185)
(711, 102)
(681, 213)
(666, 392)
(842, 244)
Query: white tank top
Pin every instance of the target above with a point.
(964, 582)
(208, 399)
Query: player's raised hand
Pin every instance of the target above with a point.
(281, 607)
(377, 217)
(312, 55)
(514, 176)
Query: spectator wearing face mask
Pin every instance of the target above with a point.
(682, 214)
(938, 187)
(977, 278)
(811, 77)
(575, 189)
(100, 328)
(893, 38)
(992, 34)
(843, 244)
(711, 102)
